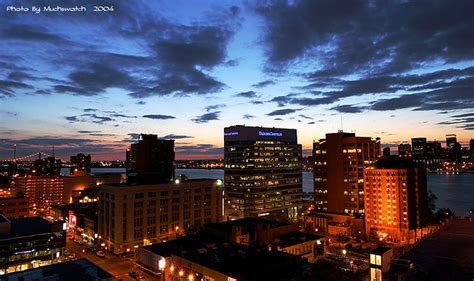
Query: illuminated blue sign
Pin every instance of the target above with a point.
(270, 134)
(231, 134)
(25, 252)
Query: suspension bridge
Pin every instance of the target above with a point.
(36, 155)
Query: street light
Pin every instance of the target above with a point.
(344, 252)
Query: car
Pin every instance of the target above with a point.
(136, 275)
(93, 249)
(100, 254)
(404, 263)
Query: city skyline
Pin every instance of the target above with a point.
(92, 82)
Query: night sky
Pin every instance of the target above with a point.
(90, 82)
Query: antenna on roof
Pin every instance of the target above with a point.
(342, 126)
(53, 150)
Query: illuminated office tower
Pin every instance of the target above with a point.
(339, 162)
(262, 172)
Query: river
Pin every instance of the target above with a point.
(453, 191)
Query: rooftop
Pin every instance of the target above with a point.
(233, 260)
(75, 207)
(448, 254)
(81, 269)
(27, 226)
(295, 238)
(380, 250)
(395, 162)
(182, 183)
(227, 226)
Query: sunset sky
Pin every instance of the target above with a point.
(90, 82)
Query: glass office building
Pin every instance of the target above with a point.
(262, 174)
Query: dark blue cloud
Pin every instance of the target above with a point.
(264, 84)
(158, 116)
(207, 117)
(248, 94)
(175, 137)
(282, 112)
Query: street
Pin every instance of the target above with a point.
(115, 265)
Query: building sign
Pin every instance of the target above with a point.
(25, 252)
(269, 134)
(231, 134)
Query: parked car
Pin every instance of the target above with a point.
(136, 275)
(93, 249)
(100, 254)
(404, 263)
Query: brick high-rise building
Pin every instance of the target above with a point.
(150, 161)
(339, 161)
(14, 207)
(42, 191)
(396, 199)
(262, 174)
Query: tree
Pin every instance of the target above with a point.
(341, 238)
(443, 214)
(432, 201)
